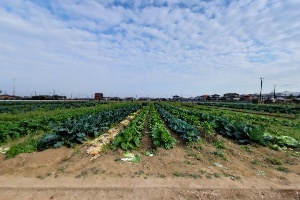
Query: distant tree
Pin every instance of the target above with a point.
(290, 97)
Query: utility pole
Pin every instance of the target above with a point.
(274, 92)
(14, 88)
(181, 99)
(261, 82)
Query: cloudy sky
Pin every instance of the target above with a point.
(149, 47)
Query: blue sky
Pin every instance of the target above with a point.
(154, 48)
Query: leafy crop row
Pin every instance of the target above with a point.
(77, 130)
(16, 126)
(130, 137)
(21, 107)
(261, 120)
(240, 131)
(159, 133)
(273, 125)
(186, 131)
(256, 107)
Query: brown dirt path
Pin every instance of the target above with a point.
(154, 188)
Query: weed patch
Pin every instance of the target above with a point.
(274, 161)
(82, 174)
(27, 146)
(185, 174)
(219, 145)
(283, 169)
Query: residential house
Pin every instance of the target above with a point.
(232, 96)
(215, 97)
(246, 97)
(145, 99)
(176, 98)
(205, 97)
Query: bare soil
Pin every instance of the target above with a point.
(198, 171)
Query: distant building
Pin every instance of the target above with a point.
(58, 97)
(7, 97)
(145, 99)
(205, 97)
(129, 98)
(163, 99)
(246, 97)
(232, 96)
(176, 98)
(115, 99)
(215, 97)
(287, 94)
(98, 96)
(41, 97)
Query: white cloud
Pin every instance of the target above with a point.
(157, 48)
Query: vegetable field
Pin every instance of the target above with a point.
(289, 109)
(151, 140)
(77, 122)
(22, 107)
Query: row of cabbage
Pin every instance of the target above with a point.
(256, 107)
(74, 131)
(14, 129)
(257, 119)
(273, 125)
(21, 107)
(242, 132)
(186, 131)
(15, 126)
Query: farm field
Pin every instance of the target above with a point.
(148, 151)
